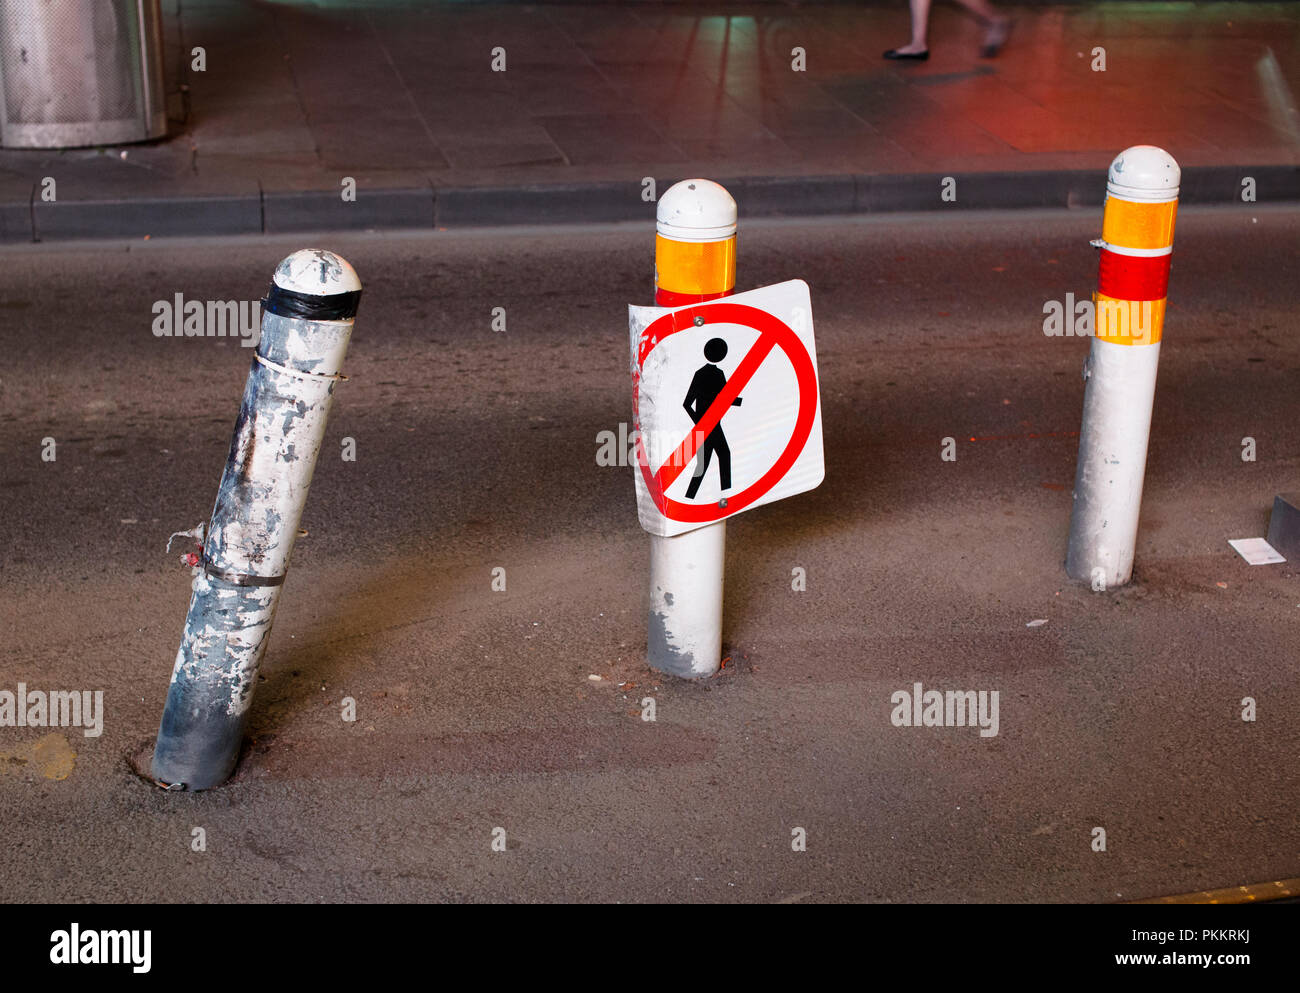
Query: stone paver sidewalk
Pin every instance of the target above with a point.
(403, 98)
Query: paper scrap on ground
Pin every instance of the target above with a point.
(1256, 551)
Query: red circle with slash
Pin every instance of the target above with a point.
(772, 333)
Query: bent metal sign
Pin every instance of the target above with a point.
(726, 406)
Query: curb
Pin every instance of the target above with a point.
(431, 207)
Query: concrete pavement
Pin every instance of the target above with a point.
(476, 710)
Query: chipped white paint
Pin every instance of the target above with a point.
(317, 272)
(226, 655)
(684, 635)
(180, 660)
(254, 523)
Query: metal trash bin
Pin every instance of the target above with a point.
(80, 72)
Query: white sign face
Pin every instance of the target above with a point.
(726, 406)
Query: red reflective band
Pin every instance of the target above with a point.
(1133, 277)
(667, 298)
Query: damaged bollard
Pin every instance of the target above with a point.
(306, 325)
(1136, 244)
(695, 260)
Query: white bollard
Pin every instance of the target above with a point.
(306, 325)
(695, 260)
(1136, 244)
(684, 635)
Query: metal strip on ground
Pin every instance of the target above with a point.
(1280, 889)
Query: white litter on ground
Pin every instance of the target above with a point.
(1256, 551)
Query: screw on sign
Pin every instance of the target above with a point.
(770, 448)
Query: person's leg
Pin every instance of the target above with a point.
(981, 9)
(701, 466)
(724, 460)
(997, 26)
(920, 27)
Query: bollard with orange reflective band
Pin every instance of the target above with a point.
(695, 260)
(695, 244)
(1136, 244)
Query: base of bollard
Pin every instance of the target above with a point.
(200, 776)
(684, 629)
(1099, 578)
(139, 760)
(196, 749)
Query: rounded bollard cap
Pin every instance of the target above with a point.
(1144, 172)
(316, 272)
(696, 210)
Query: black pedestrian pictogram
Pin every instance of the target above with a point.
(708, 382)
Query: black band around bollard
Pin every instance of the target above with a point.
(306, 307)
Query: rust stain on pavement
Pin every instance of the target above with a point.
(50, 757)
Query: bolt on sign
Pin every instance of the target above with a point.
(725, 406)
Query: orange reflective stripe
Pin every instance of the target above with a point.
(1138, 225)
(695, 267)
(1128, 322)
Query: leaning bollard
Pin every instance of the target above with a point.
(1136, 242)
(695, 260)
(306, 323)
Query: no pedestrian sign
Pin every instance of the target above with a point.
(725, 405)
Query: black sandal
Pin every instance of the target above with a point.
(894, 53)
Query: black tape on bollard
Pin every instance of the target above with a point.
(307, 307)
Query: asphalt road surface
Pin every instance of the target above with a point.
(476, 710)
